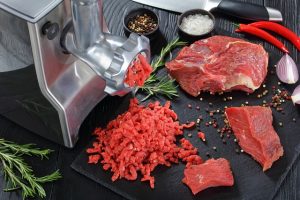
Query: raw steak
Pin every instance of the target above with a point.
(252, 126)
(220, 63)
(212, 173)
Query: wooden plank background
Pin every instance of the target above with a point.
(76, 187)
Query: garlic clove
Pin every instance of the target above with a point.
(287, 70)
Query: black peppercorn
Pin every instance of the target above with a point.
(142, 24)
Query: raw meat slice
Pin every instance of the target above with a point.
(212, 173)
(220, 63)
(252, 126)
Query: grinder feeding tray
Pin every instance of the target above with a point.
(76, 64)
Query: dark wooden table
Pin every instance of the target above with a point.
(75, 186)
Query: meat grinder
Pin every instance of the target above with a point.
(77, 62)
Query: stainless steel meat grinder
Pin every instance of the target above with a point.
(76, 64)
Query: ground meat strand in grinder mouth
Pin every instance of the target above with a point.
(138, 72)
(141, 139)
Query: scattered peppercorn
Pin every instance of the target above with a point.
(207, 154)
(279, 109)
(279, 97)
(201, 135)
(265, 92)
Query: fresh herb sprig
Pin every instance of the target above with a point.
(18, 174)
(160, 60)
(163, 86)
(155, 85)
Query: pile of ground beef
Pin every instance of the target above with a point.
(138, 72)
(141, 139)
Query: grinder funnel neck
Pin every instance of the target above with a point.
(87, 20)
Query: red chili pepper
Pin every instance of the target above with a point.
(262, 34)
(279, 29)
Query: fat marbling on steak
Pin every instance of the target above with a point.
(218, 64)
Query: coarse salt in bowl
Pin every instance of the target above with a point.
(196, 22)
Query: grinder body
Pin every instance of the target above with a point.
(54, 96)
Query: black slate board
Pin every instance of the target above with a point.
(250, 181)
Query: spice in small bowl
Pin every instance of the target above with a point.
(196, 23)
(141, 21)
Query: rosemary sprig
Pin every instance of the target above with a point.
(155, 85)
(159, 61)
(164, 86)
(25, 149)
(18, 174)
